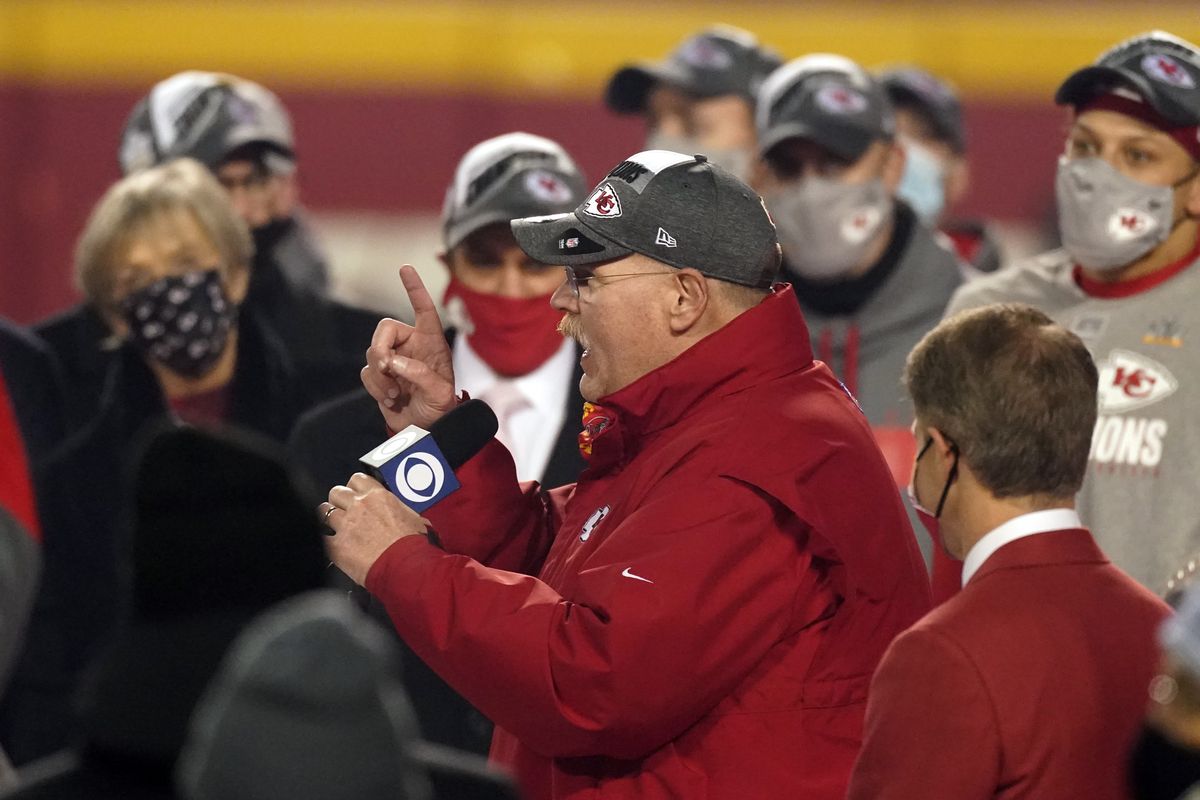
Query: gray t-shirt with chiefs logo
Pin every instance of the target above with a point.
(1141, 497)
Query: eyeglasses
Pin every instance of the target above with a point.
(573, 280)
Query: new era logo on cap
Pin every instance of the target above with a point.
(665, 239)
(1168, 70)
(603, 203)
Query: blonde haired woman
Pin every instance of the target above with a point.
(164, 263)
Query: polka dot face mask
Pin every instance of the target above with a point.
(181, 321)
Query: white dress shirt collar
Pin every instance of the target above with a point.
(530, 430)
(1035, 522)
(545, 388)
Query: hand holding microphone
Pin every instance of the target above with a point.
(409, 368)
(413, 470)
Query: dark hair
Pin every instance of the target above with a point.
(1015, 392)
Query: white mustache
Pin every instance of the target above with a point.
(570, 327)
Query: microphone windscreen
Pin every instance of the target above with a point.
(463, 432)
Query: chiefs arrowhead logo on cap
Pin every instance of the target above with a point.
(1168, 70)
(547, 187)
(706, 54)
(603, 203)
(841, 100)
(1129, 223)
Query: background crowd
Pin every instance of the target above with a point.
(170, 423)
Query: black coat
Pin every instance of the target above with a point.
(84, 519)
(34, 382)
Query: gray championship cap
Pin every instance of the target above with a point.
(720, 60)
(826, 99)
(1162, 69)
(681, 210)
(508, 177)
(930, 97)
(206, 116)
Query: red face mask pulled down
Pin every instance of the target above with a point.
(513, 335)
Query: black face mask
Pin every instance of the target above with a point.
(1159, 769)
(181, 321)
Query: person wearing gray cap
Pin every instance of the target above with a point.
(241, 131)
(929, 123)
(698, 614)
(700, 98)
(1031, 682)
(503, 333)
(871, 278)
(1127, 281)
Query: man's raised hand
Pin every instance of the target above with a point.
(409, 368)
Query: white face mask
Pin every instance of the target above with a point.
(924, 183)
(827, 227)
(734, 159)
(1107, 220)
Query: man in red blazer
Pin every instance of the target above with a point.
(1032, 681)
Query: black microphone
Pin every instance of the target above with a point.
(418, 465)
(464, 431)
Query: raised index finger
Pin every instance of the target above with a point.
(424, 311)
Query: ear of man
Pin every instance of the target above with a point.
(893, 167)
(690, 298)
(1192, 198)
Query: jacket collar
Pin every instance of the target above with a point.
(762, 344)
(1074, 546)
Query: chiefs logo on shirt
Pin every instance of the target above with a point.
(1131, 380)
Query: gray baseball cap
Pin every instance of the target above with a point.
(717, 61)
(932, 98)
(206, 116)
(507, 177)
(827, 99)
(681, 210)
(1162, 69)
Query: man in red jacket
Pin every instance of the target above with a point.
(1031, 682)
(700, 614)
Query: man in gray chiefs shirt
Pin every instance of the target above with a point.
(1126, 282)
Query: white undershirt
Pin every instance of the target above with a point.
(533, 428)
(1031, 524)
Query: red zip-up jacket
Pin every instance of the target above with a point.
(700, 615)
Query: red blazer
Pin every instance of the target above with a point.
(1029, 683)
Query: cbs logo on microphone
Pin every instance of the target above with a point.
(413, 468)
